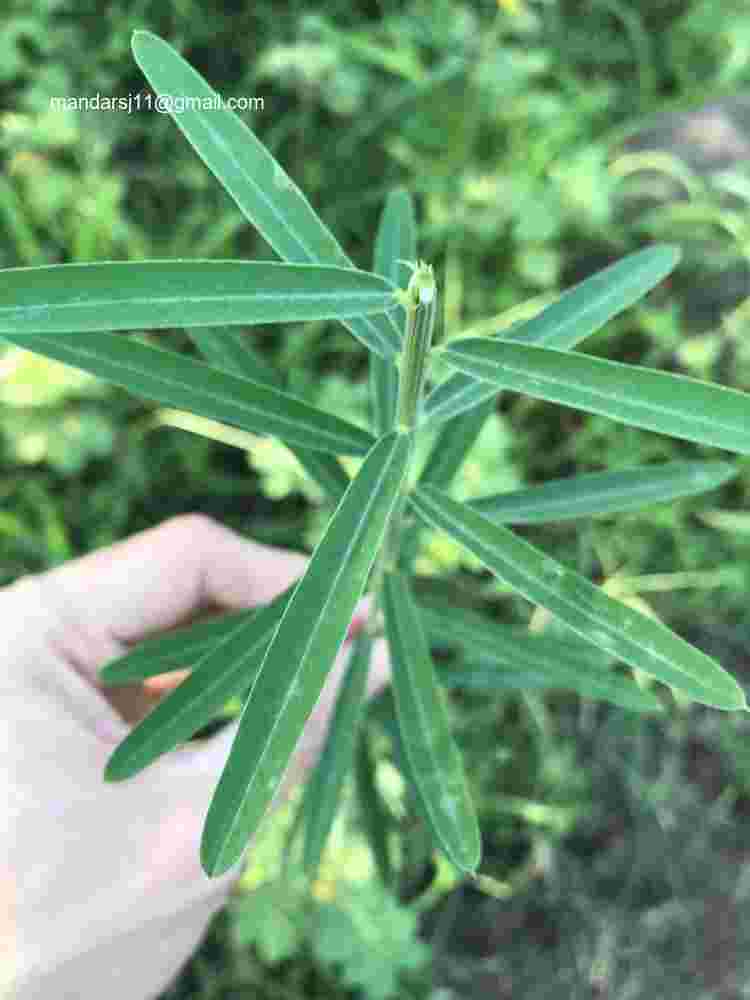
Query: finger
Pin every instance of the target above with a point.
(134, 703)
(158, 687)
(160, 577)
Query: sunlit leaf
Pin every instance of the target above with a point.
(676, 405)
(301, 654)
(425, 729)
(598, 493)
(396, 241)
(65, 299)
(575, 315)
(230, 349)
(172, 379)
(259, 185)
(625, 633)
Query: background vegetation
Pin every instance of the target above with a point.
(542, 141)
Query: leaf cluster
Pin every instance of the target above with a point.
(278, 657)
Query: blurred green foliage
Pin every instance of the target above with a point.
(515, 124)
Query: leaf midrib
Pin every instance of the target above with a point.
(241, 404)
(280, 217)
(295, 677)
(610, 394)
(606, 626)
(424, 719)
(91, 303)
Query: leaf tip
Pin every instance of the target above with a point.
(121, 765)
(139, 36)
(113, 773)
(673, 251)
(214, 860)
(141, 40)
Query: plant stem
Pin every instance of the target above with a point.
(420, 302)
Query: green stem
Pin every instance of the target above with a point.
(420, 302)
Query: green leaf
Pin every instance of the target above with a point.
(567, 321)
(453, 443)
(169, 378)
(369, 944)
(231, 350)
(622, 631)
(598, 493)
(301, 654)
(177, 650)
(425, 729)
(505, 657)
(374, 815)
(396, 241)
(482, 639)
(418, 845)
(454, 395)
(326, 470)
(499, 675)
(271, 919)
(157, 294)
(676, 405)
(324, 787)
(226, 668)
(263, 191)
(383, 711)
(585, 308)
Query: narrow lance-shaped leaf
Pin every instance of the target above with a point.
(260, 187)
(455, 395)
(229, 349)
(176, 650)
(374, 815)
(425, 729)
(575, 315)
(301, 654)
(552, 675)
(324, 787)
(325, 470)
(676, 405)
(598, 493)
(454, 441)
(506, 658)
(232, 350)
(170, 378)
(156, 294)
(227, 668)
(417, 846)
(396, 241)
(480, 639)
(622, 631)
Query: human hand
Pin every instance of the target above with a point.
(101, 888)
